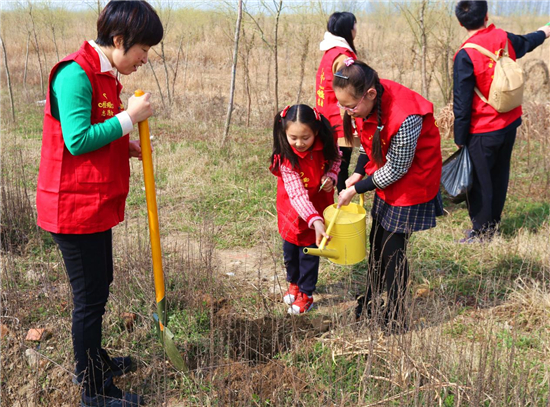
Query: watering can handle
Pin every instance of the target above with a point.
(331, 224)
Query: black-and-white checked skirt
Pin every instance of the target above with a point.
(407, 219)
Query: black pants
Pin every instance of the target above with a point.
(343, 175)
(89, 262)
(301, 269)
(387, 264)
(490, 156)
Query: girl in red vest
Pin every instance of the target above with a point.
(306, 161)
(337, 46)
(84, 176)
(403, 164)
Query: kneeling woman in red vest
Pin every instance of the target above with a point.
(84, 178)
(306, 161)
(402, 162)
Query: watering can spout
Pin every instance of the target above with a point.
(328, 253)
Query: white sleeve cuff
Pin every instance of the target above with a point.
(125, 122)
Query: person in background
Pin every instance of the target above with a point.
(488, 134)
(337, 46)
(84, 176)
(306, 161)
(402, 162)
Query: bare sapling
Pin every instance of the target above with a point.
(245, 57)
(303, 59)
(36, 46)
(233, 72)
(278, 8)
(416, 19)
(276, 12)
(10, 91)
(26, 62)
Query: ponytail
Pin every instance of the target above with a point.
(376, 142)
(281, 148)
(318, 123)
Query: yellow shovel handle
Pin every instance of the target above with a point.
(151, 197)
(331, 224)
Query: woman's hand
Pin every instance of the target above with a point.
(329, 184)
(139, 108)
(345, 196)
(320, 231)
(135, 149)
(354, 179)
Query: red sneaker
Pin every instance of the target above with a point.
(302, 304)
(291, 294)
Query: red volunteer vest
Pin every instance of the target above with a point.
(421, 182)
(85, 193)
(325, 100)
(311, 168)
(484, 117)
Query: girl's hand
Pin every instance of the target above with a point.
(345, 197)
(329, 184)
(320, 231)
(139, 108)
(354, 179)
(545, 29)
(135, 149)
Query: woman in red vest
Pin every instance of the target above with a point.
(403, 164)
(337, 46)
(84, 175)
(306, 161)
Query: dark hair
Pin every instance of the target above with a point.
(136, 21)
(302, 114)
(471, 14)
(359, 78)
(341, 24)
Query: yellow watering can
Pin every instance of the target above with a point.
(347, 229)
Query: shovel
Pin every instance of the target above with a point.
(166, 337)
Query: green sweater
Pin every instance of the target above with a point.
(71, 104)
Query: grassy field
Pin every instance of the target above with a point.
(480, 320)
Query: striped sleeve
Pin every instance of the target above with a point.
(298, 195)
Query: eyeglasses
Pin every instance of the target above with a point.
(352, 109)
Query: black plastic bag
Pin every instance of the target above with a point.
(457, 175)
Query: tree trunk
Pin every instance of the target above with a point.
(9, 80)
(424, 45)
(275, 54)
(26, 62)
(302, 68)
(233, 72)
(158, 84)
(166, 73)
(37, 48)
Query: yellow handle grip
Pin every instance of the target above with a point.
(151, 197)
(324, 241)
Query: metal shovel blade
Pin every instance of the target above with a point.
(167, 340)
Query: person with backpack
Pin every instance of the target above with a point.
(482, 125)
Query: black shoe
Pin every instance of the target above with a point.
(116, 366)
(111, 396)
